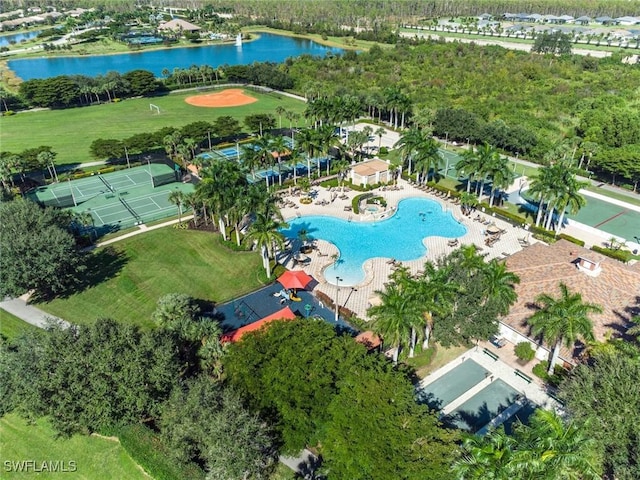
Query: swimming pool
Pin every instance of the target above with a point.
(399, 236)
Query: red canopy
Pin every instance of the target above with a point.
(294, 279)
(285, 314)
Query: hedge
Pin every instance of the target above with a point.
(571, 239)
(147, 449)
(621, 255)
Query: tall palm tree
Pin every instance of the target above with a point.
(327, 139)
(278, 147)
(308, 142)
(427, 157)
(562, 321)
(265, 233)
(488, 156)
(396, 318)
(542, 188)
(569, 197)
(500, 285)
(177, 198)
(407, 145)
(501, 175)
(469, 165)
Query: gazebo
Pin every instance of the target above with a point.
(371, 172)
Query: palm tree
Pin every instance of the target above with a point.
(427, 157)
(264, 232)
(469, 165)
(562, 321)
(397, 318)
(327, 139)
(550, 448)
(308, 142)
(542, 188)
(487, 158)
(380, 132)
(279, 146)
(487, 457)
(569, 197)
(468, 201)
(501, 175)
(499, 285)
(177, 198)
(407, 145)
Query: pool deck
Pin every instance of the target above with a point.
(377, 270)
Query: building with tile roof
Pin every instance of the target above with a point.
(600, 280)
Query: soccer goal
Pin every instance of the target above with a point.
(153, 107)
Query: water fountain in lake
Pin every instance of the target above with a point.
(239, 40)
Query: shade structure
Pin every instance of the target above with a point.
(294, 279)
(285, 314)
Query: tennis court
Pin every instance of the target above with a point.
(76, 192)
(135, 206)
(609, 217)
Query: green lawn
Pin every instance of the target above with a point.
(58, 128)
(95, 458)
(12, 326)
(135, 272)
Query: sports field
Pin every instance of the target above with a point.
(60, 129)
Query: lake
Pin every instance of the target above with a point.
(269, 47)
(6, 40)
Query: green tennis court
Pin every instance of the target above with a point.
(76, 192)
(610, 218)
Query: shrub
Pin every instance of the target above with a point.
(524, 351)
(383, 151)
(621, 255)
(571, 239)
(8, 113)
(540, 370)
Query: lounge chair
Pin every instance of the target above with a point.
(391, 261)
(453, 243)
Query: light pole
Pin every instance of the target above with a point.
(338, 280)
(467, 142)
(446, 139)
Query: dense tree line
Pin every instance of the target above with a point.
(72, 91)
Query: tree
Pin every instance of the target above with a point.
(264, 232)
(550, 448)
(177, 198)
(260, 122)
(207, 424)
(38, 251)
(556, 43)
(563, 320)
(604, 394)
(383, 434)
(141, 82)
(91, 379)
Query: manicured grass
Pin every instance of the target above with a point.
(56, 128)
(441, 357)
(12, 326)
(132, 274)
(95, 458)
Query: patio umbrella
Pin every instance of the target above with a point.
(294, 279)
(493, 228)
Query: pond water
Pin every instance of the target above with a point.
(269, 47)
(6, 40)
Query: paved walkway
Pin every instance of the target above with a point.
(30, 314)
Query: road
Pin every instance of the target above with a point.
(501, 43)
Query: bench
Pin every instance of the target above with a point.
(490, 354)
(523, 376)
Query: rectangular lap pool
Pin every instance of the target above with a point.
(451, 385)
(476, 412)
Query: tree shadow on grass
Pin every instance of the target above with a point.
(101, 266)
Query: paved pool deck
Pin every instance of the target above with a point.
(358, 298)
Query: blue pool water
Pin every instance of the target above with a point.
(399, 236)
